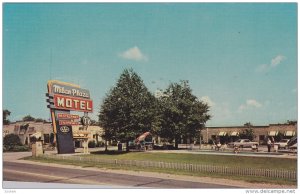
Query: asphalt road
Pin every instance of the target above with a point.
(23, 172)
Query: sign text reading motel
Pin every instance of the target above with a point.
(72, 103)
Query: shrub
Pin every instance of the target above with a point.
(33, 139)
(210, 141)
(21, 148)
(10, 141)
(18, 148)
(100, 144)
(92, 144)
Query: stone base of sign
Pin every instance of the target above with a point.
(37, 149)
(85, 146)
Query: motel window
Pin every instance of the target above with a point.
(46, 138)
(262, 139)
(31, 129)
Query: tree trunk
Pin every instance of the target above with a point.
(105, 145)
(176, 144)
(97, 140)
(127, 146)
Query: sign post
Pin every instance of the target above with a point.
(65, 97)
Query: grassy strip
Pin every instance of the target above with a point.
(205, 159)
(169, 171)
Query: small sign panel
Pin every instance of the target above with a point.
(67, 122)
(64, 129)
(67, 116)
(86, 121)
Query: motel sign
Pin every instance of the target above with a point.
(62, 98)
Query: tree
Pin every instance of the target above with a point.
(248, 124)
(182, 113)
(291, 122)
(248, 132)
(28, 118)
(40, 120)
(128, 109)
(10, 141)
(6, 113)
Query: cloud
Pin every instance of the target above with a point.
(274, 63)
(250, 104)
(277, 60)
(208, 101)
(134, 53)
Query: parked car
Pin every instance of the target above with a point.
(282, 144)
(243, 143)
(131, 145)
(294, 147)
(158, 147)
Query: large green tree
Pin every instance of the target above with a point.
(128, 109)
(182, 113)
(6, 113)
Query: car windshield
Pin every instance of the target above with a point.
(284, 140)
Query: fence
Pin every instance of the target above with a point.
(238, 171)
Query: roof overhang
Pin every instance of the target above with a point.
(289, 133)
(273, 133)
(222, 133)
(234, 133)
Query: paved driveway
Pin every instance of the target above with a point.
(11, 156)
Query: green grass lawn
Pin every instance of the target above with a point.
(217, 160)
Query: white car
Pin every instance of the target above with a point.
(243, 143)
(282, 143)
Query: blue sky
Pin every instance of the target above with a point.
(239, 58)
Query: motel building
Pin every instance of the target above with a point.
(44, 130)
(225, 134)
(261, 133)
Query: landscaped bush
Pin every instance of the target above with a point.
(114, 143)
(100, 144)
(18, 148)
(210, 141)
(92, 144)
(10, 141)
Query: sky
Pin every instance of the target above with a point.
(241, 59)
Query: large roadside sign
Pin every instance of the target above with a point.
(64, 97)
